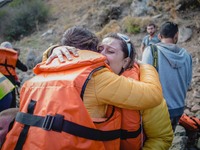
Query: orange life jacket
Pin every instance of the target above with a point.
(8, 61)
(52, 114)
(131, 120)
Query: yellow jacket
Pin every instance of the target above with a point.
(156, 121)
(157, 128)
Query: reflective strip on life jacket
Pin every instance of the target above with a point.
(5, 86)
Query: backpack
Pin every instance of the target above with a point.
(154, 52)
(190, 123)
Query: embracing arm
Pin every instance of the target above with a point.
(59, 51)
(128, 93)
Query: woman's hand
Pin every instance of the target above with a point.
(60, 51)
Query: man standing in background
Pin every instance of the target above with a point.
(151, 38)
(174, 65)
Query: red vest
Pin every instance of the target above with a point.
(8, 61)
(131, 120)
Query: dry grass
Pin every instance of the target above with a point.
(112, 26)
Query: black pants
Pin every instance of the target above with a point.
(174, 122)
(13, 103)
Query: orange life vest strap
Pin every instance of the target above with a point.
(58, 124)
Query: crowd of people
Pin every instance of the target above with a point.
(91, 94)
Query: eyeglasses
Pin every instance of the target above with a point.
(127, 40)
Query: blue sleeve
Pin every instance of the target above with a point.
(147, 57)
(144, 41)
(190, 72)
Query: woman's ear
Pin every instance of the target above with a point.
(126, 63)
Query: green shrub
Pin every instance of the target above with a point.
(133, 29)
(16, 3)
(22, 18)
(130, 25)
(135, 24)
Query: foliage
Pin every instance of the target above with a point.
(16, 3)
(21, 17)
(134, 24)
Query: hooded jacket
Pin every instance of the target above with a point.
(175, 72)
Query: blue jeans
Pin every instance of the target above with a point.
(5, 102)
(174, 122)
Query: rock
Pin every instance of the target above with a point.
(157, 16)
(195, 108)
(180, 131)
(49, 32)
(196, 94)
(184, 34)
(140, 8)
(179, 143)
(198, 143)
(30, 61)
(188, 112)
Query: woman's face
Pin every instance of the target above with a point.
(112, 49)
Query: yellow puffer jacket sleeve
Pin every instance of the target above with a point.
(128, 93)
(157, 127)
(45, 54)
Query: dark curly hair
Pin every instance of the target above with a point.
(80, 38)
(168, 29)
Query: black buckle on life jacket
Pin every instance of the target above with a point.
(48, 122)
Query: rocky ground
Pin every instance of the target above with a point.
(105, 16)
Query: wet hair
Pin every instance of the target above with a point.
(80, 38)
(128, 51)
(168, 30)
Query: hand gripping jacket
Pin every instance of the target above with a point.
(131, 120)
(52, 114)
(8, 61)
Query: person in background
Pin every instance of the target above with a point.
(174, 68)
(103, 89)
(120, 54)
(8, 63)
(6, 88)
(151, 38)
